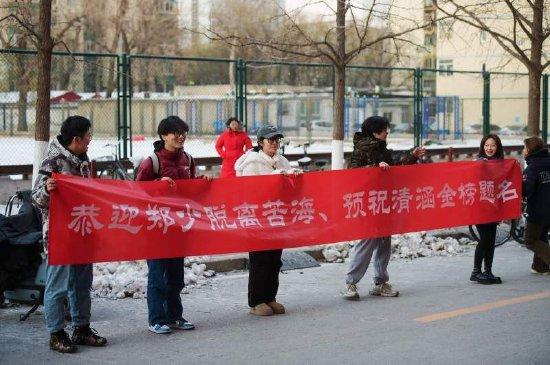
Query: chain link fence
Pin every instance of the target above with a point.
(81, 85)
(126, 96)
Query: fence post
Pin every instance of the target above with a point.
(417, 126)
(240, 93)
(545, 108)
(122, 98)
(486, 102)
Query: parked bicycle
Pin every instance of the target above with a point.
(110, 166)
(504, 232)
(306, 163)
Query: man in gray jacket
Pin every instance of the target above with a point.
(66, 155)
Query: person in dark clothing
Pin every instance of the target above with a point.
(165, 279)
(490, 148)
(370, 150)
(536, 189)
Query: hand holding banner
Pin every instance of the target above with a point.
(109, 220)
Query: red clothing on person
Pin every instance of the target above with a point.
(175, 165)
(230, 146)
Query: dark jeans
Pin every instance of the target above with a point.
(263, 277)
(485, 249)
(164, 285)
(536, 239)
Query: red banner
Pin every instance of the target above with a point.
(111, 220)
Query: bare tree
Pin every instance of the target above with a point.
(521, 28)
(131, 26)
(40, 36)
(340, 44)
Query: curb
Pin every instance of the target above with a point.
(231, 262)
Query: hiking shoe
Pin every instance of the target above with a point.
(181, 324)
(544, 270)
(84, 335)
(350, 293)
(161, 329)
(494, 279)
(60, 342)
(261, 310)
(276, 307)
(384, 290)
(480, 277)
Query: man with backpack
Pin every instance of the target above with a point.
(169, 162)
(66, 155)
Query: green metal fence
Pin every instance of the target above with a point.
(127, 95)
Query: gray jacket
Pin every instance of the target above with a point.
(60, 160)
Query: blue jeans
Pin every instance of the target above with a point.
(67, 281)
(164, 285)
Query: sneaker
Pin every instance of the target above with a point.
(84, 335)
(350, 293)
(384, 290)
(276, 307)
(494, 279)
(261, 310)
(60, 342)
(480, 277)
(181, 324)
(159, 328)
(545, 270)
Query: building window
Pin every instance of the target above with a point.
(446, 66)
(388, 116)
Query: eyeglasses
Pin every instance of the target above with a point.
(178, 134)
(274, 140)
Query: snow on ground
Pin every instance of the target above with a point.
(19, 150)
(117, 280)
(446, 242)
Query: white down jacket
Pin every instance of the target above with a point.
(259, 163)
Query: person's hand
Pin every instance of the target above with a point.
(419, 152)
(294, 172)
(171, 182)
(50, 185)
(205, 177)
(384, 165)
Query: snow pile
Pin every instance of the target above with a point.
(117, 280)
(410, 245)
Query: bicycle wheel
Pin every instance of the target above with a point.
(518, 231)
(503, 232)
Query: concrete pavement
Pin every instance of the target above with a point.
(320, 327)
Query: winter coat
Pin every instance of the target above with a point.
(230, 146)
(370, 151)
(176, 165)
(536, 187)
(259, 163)
(61, 160)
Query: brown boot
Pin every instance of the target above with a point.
(84, 335)
(261, 310)
(277, 308)
(60, 342)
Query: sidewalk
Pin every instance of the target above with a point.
(322, 328)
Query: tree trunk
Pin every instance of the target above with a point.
(533, 115)
(111, 82)
(232, 68)
(535, 70)
(339, 88)
(23, 89)
(42, 132)
(22, 75)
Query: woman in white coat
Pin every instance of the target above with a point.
(263, 277)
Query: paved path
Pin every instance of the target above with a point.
(440, 318)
